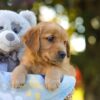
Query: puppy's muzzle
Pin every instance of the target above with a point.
(61, 55)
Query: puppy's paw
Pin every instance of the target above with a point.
(18, 76)
(17, 80)
(52, 84)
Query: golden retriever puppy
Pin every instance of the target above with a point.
(47, 53)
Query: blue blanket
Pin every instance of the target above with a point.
(34, 88)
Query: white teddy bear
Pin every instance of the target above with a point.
(12, 27)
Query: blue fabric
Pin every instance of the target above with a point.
(34, 88)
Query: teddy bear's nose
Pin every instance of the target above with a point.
(10, 37)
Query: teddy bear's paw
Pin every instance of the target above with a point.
(18, 81)
(52, 84)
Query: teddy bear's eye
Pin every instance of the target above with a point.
(16, 27)
(1, 27)
(15, 30)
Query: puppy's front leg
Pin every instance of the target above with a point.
(18, 76)
(53, 78)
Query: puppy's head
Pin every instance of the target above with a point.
(49, 41)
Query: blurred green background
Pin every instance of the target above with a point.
(81, 19)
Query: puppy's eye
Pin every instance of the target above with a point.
(1, 27)
(50, 38)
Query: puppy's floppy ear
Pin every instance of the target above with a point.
(68, 49)
(31, 39)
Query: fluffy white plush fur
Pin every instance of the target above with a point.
(12, 27)
(16, 24)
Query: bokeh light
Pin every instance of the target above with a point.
(47, 13)
(95, 23)
(48, 1)
(79, 25)
(79, 21)
(78, 94)
(80, 28)
(63, 21)
(92, 40)
(77, 43)
(59, 8)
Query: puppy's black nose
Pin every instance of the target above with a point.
(10, 37)
(61, 54)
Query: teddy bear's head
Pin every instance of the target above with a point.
(12, 27)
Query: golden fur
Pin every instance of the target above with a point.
(43, 42)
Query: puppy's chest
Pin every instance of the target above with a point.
(38, 69)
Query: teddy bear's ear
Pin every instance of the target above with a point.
(29, 16)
